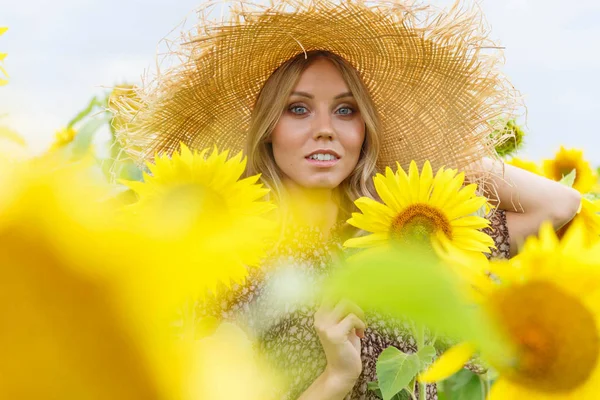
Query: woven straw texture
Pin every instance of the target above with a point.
(433, 75)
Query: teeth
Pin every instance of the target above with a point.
(323, 157)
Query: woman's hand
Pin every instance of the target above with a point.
(340, 327)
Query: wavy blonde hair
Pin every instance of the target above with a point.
(271, 102)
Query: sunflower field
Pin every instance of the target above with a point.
(105, 264)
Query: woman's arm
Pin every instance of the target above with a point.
(326, 387)
(529, 200)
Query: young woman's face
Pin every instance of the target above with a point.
(318, 139)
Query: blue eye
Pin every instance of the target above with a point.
(298, 109)
(347, 111)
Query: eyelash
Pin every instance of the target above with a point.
(352, 110)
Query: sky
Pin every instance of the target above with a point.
(63, 52)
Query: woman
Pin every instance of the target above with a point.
(322, 121)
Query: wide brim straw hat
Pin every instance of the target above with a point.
(433, 75)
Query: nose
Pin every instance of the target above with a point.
(323, 128)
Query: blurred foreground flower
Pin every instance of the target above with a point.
(200, 199)
(567, 160)
(63, 137)
(68, 332)
(87, 298)
(3, 81)
(527, 165)
(589, 218)
(428, 209)
(547, 305)
(226, 356)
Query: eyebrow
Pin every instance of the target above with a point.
(310, 96)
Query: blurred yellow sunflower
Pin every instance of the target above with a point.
(527, 165)
(3, 81)
(430, 209)
(69, 325)
(89, 299)
(546, 302)
(567, 160)
(197, 197)
(589, 217)
(63, 137)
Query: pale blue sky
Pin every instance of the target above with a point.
(62, 52)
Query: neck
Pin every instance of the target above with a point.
(313, 207)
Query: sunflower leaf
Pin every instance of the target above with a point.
(592, 196)
(395, 370)
(569, 179)
(85, 136)
(464, 385)
(426, 354)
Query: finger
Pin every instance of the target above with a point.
(325, 308)
(348, 324)
(345, 307)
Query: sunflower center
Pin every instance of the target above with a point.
(418, 222)
(563, 169)
(556, 336)
(193, 202)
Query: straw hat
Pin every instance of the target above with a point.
(433, 76)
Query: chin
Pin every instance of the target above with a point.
(322, 183)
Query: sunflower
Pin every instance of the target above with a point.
(527, 165)
(511, 138)
(199, 201)
(547, 305)
(589, 216)
(63, 137)
(432, 210)
(567, 160)
(2, 57)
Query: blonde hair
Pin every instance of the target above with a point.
(272, 100)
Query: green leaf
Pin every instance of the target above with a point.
(464, 385)
(415, 285)
(426, 354)
(85, 112)
(85, 136)
(374, 387)
(569, 179)
(395, 370)
(592, 196)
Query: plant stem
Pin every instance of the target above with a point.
(420, 336)
(485, 385)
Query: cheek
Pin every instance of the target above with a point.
(286, 138)
(354, 140)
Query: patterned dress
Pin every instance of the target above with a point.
(284, 328)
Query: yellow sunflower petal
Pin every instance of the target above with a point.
(450, 362)
(372, 240)
(425, 182)
(382, 187)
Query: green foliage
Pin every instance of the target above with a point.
(592, 196)
(403, 395)
(513, 141)
(413, 284)
(92, 119)
(395, 371)
(464, 385)
(569, 179)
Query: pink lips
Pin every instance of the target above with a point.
(323, 163)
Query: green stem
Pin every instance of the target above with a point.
(485, 385)
(420, 336)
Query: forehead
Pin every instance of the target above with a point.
(321, 76)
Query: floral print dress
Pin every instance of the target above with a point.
(284, 330)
